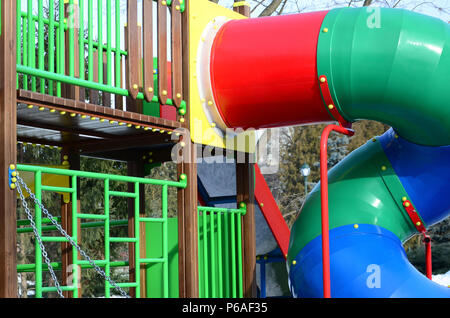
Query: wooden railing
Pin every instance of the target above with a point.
(90, 50)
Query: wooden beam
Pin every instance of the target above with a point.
(136, 169)
(8, 149)
(242, 7)
(245, 192)
(187, 198)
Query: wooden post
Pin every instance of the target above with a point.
(245, 192)
(66, 222)
(242, 7)
(72, 91)
(188, 225)
(136, 169)
(187, 198)
(8, 149)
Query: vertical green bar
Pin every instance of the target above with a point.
(227, 255)
(51, 43)
(38, 222)
(118, 56)
(108, 43)
(239, 256)
(165, 242)
(100, 40)
(90, 40)
(219, 253)
(25, 51)
(137, 244)
(107, 247)
(41, 52)
(213, 256)
(61, 46)
(200, 257)
(233, 256)
(81, 38)
(70, 24)
(205, 255)
(76, 268)
(19, 34)
(31, 42)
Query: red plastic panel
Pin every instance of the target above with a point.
(264, 71)
(271, 212)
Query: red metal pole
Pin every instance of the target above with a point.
(429, 268)
(324, 202)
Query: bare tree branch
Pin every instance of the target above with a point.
(367, 3)
(271, 8)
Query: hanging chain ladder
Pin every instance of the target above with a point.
(20, 183)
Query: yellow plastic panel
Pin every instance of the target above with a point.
(52, 180)
(201, 14)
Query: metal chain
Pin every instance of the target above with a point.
(41, 245)
(64, 233)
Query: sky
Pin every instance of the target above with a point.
(294, 6)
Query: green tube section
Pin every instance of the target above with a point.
(389, 65)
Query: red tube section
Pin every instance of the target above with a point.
(273, 80)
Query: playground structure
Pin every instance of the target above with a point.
(109, 96)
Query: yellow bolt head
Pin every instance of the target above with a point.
(356, 226)
(52, 110)
(418, 223)
(404, 199)
(14, 173)
(325, 30)
(93, 118)
(294, 262)
(14, 180)
(12, 167)
(135, 86)
(164, 3)
(178, 95)
(210, 103)
(150, 89)
(383, 168)
(331, 106)
(13, 186)
(41, 108)
(407, 204)
(73, 115)
(182, 177)
(66, 157)
(213, 125)
(177, 8)
(62, 113)
(182, 144)
(164, 92)
(181, 120)
(129, 125)
(323, 79)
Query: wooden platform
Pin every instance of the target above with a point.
(93, 130)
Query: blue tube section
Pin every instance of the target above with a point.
(424, 173)
(366, 261)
